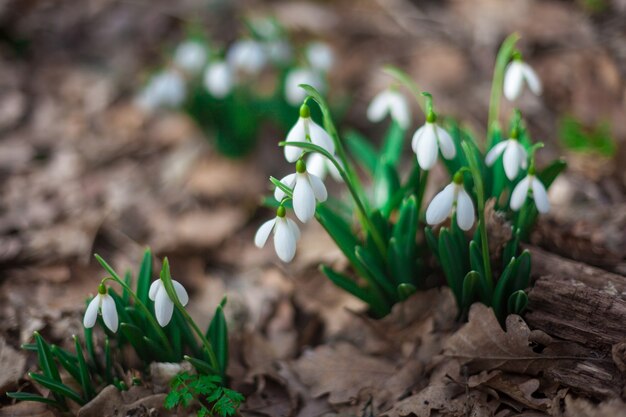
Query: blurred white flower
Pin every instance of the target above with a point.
(426, 143)
(515, 157)
(163, 305)
(308, 189)
(247, 56)
(165, 89)
(515, 74)
(390, 102)
(286, 235)
(279, 51)
(530, 186)
(218, 79)
(293, 92)
(101, 302)
(453, 197)
(190, 56)
(320, 56)
(306, 130)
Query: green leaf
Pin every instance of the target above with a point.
(432, 241)
(108, 361)
(517, 302)
(377, 304)
(135, 336)
(47, 365)
(551, 172)
(218, 336)
(471, 287)
(201, 366)
(448, 259)
(502, 290)
(375, 270)
(67, 361)
(107, 267)
(393, 144)
(405, 291)
(57, 387)
(144, 277)
(85, 378)
(26, 396)
(386, 184)
(522, 276)
(363, 151)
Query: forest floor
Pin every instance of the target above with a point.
(83, 171)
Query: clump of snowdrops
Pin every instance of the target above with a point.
(385, 228)
(148, 316)
(232, 91)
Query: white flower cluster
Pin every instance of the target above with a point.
(163, 305)
(307, 188)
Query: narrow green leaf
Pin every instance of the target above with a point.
(375, 270)
(502, 290)
(377, 304)
(393, 143)
(471, 286)
(363, 151)
(157, 351)
(26, 396)
(57, 387)
(201, 366)
(46, 360)
(108, 361)
(218, 336)
(144, 277)
(128, 279)
(551, 172)
(405, 291)
(85, 378)
(448, 258)
(517, 302)
(386, 185)
(68, 362)
(135, 336)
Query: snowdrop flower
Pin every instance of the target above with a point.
(514, 156)
(391, 102)
(307, 188)
(428, 140)
(166, 89)
(306, 130)
(279, 51)
(530, 186)
(218, 79)
(286, 235)
(190, 56)
(450, 198)
(515, 74)
(318, 165)
(163, 305)
(102, 302)
(247, 56)
(293, 92)
(320, 56)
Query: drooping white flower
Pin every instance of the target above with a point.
(218, 79)
(163, 305)
(428, 140)
(453, 197)
(514, 157)
(165, 89)
(390, 102)
(515, 74)
(320, 56)
(293, 92)
(530, 186)
(306, 130)
(247, 56)
(286, 235)
(101, 302)
(308, 189)
(317, 164)
(190, 56)
(279, 51)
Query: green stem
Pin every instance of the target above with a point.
(502, 59)
(408, 82)
(366, 221)
(169, 287)
(422, 188)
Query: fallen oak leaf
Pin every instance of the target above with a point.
(481, 344)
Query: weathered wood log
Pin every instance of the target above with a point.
(586, 305)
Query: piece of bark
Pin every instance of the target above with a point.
(586, 305)
(577, 302)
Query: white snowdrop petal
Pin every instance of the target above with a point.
(523, 157)
(513, 79)
(320, 137)
(540, 196)
(334, 172)
(518, 196)
(511, 159)
(319, 189)
(416, 137)
(427, 147)
(263, 233)
(109, 312)
(320, 56)
(181, 292)
(91, 314)
(295, 230)
(218, 79)
(464, 210)
(441, 205)
(379, 107)
(446, 144)
(247, 56)
(284, 241)
(154, 288)
(190, 56)
(289, 181)
(303, 199)
(316, 164)
(534, 83)
(296, 94)
(296, 134)
(400, 110)
(495, 152)
(163, 307)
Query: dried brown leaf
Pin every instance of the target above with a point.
(578, 407)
